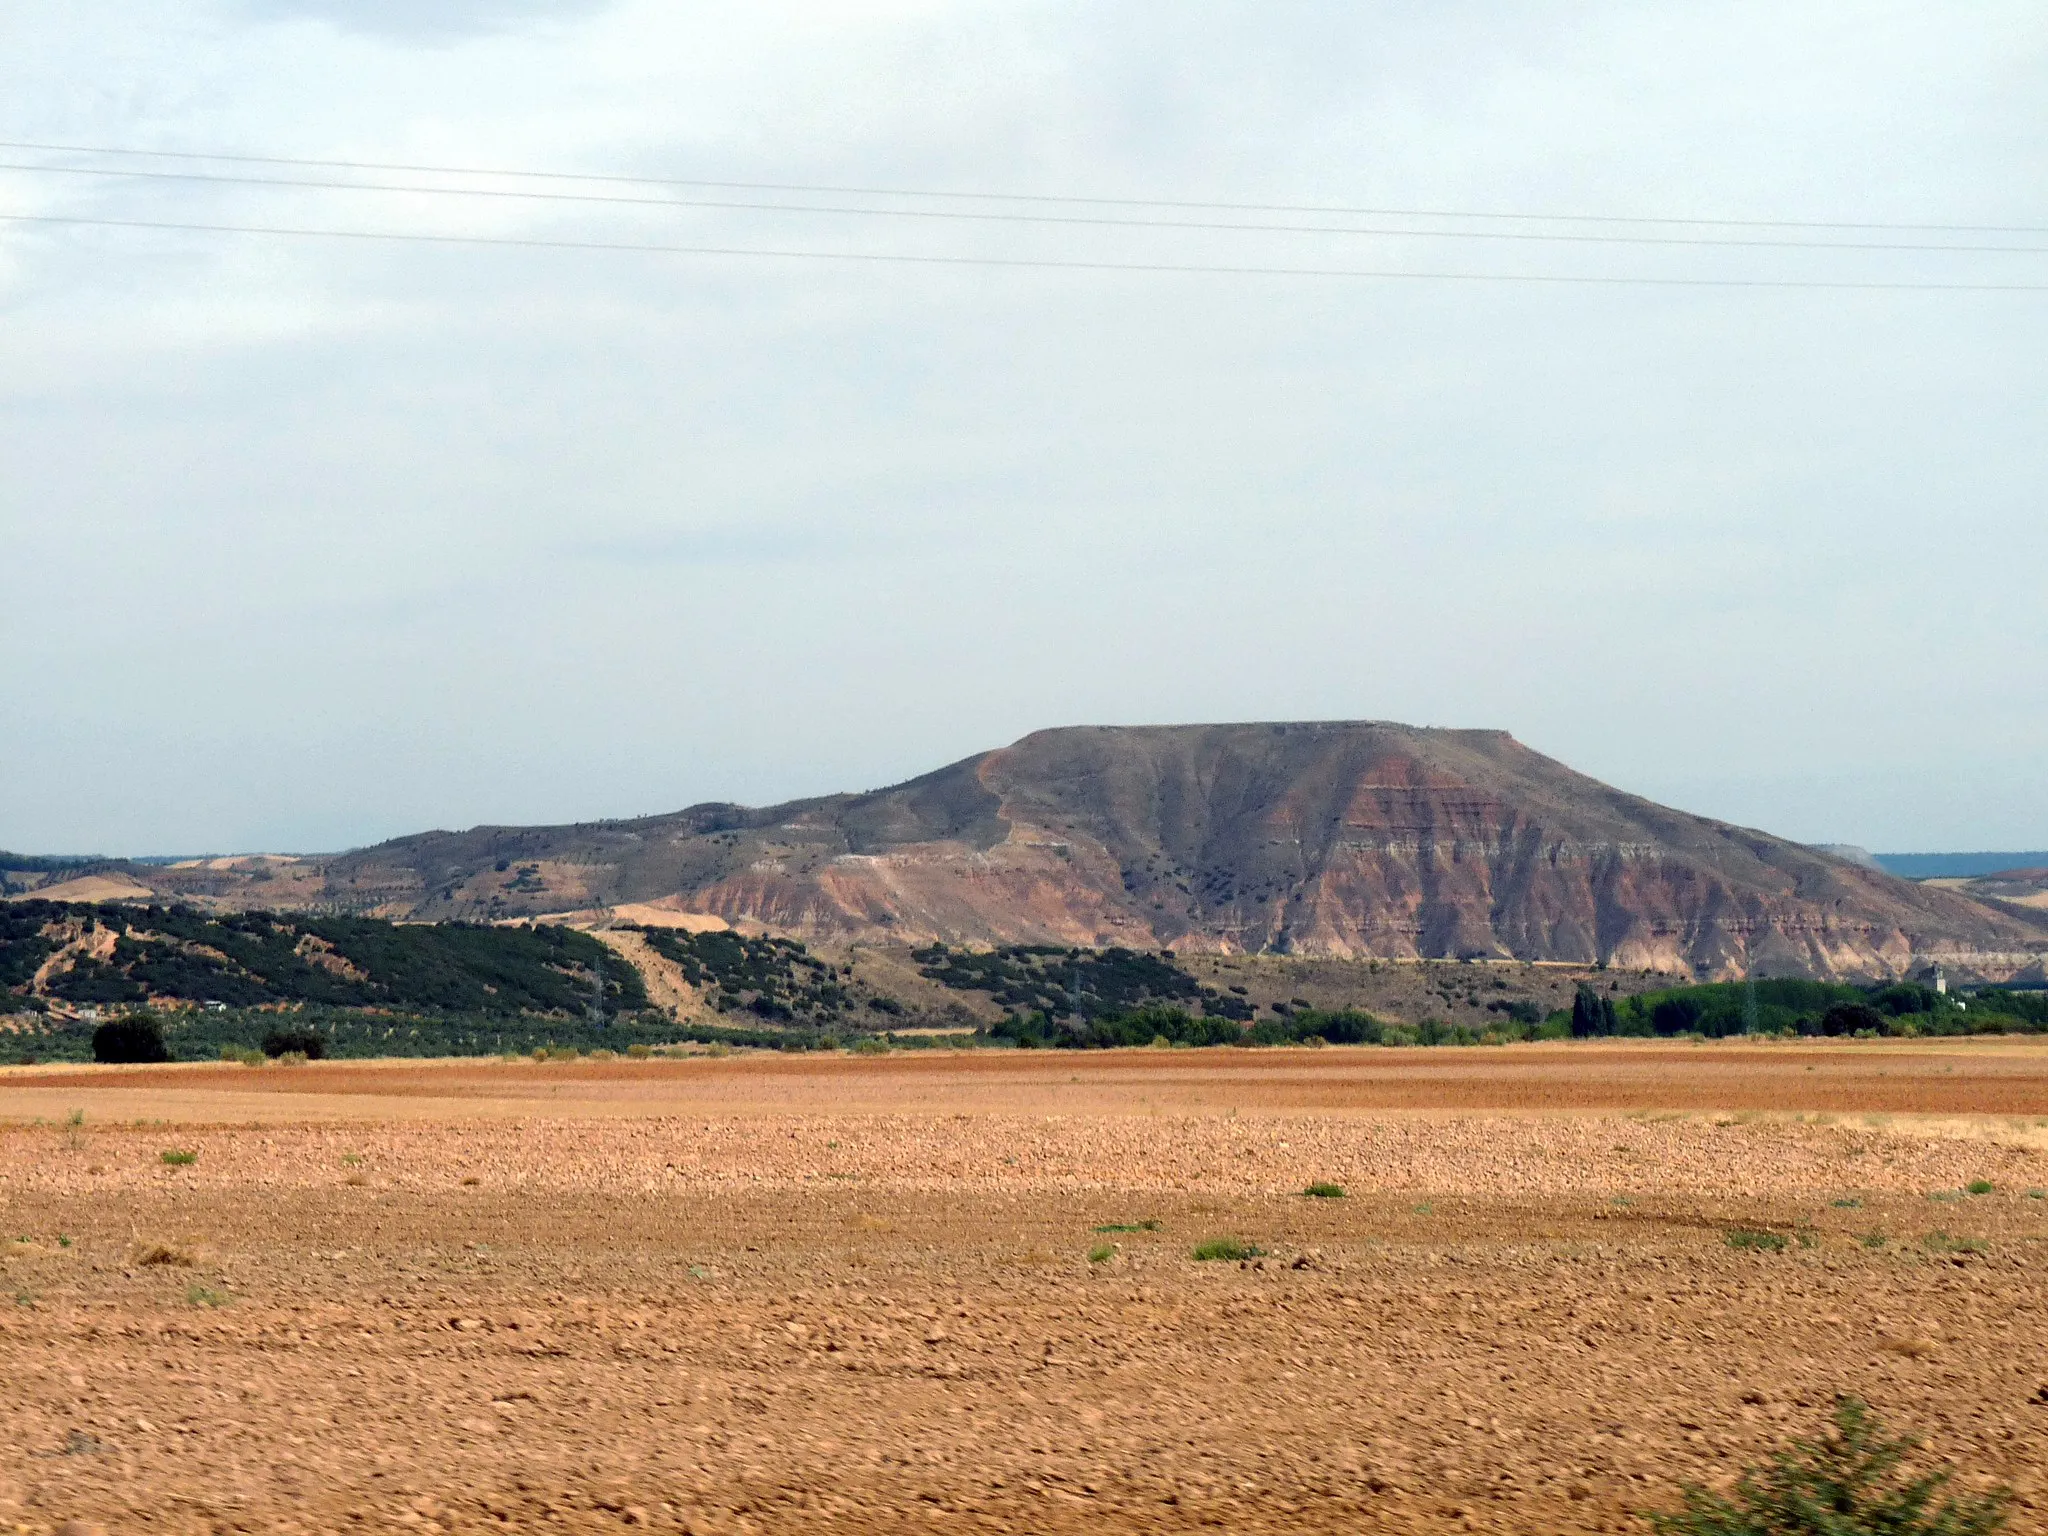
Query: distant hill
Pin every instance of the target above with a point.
(1359, 839)
(1956, 866)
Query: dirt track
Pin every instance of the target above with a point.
(855, 1295)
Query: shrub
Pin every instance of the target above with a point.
(1851, 1019)
(1102, 1253)
(295, 1039)
(180, 1159)
(1227, 1248)
(1980, 1186)
(1321, 1191)
(640, 1052)
(1755, 1241)
(1848, 1483)
(137, 1038)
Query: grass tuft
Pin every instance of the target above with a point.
(1755, 1241)
(1228, 1249)
(1322, 1191)
(1102, 1253)
(206, 1296)
(1980, 1186)
(177, 1158)
(1149, 1225)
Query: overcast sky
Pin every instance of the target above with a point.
(307, 542)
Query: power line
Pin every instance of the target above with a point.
(1027, 263)
(1090, 220)
(1022, 197)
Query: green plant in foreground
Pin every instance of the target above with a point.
(1228, 1249)
(180, 1159)
(1847, 1483)
(1102, 1253)
(1323, 1191)
(1754, 1240)
(1980, 1186)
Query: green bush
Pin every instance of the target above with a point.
(1848, 1483)
(137, 1038)
(1321, 1191)
(1226, 1248)
(295, 1039)
(1980, 1186)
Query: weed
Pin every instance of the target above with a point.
(1941, 1242)
(1848, 1483)
(1424, 1209)
(24, 1297)
(351, 1159)
(1621, 1200)
(1755, 1241)
(2037, 1194)
(168, 1255)
(1872, 1239)
(75, 1120)
(1322, 1191)
(176, 1158)
(1980, 1186)
(1942, 1195)
(1807, 1237)
(63, 1241)
(1226, 1248)
(1102, 1253)
(1851, 1203)
(293, 1058)
(1129, 1226)
(639, 1052)
(205, 1296)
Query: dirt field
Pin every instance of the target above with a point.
(856, 1294)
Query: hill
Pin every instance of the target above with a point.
(1349, 839)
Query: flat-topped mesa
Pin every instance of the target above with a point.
(1334, 838)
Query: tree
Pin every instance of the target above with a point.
(1592, 1014)
(133, 1038)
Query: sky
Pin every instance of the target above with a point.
(310, 540)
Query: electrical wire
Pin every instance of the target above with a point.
(1026, 263)
(1091, 220)
(1021, 197)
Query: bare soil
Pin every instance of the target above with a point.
(856, 1294)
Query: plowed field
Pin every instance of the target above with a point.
(957, 1292)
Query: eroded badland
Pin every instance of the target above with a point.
(957, 1293)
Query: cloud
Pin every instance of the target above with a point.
(423, 21)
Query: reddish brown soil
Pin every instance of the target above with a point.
(855, 1295)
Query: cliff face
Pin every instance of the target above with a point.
(1350, 839)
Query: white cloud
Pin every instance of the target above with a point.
(322, 540)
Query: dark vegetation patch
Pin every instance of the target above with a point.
(256, 959)
(1080, 984)
(777, 981)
